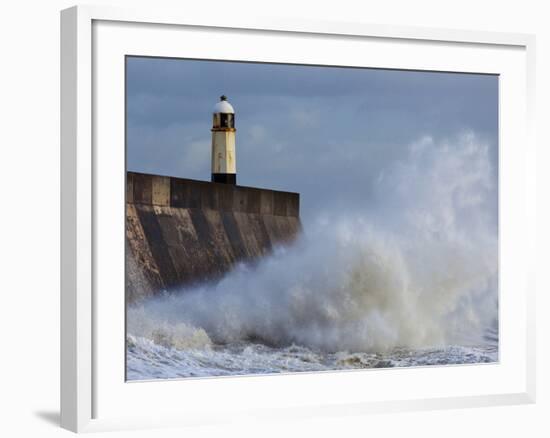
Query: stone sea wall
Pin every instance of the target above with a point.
(181, 232)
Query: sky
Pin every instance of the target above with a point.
(325, 132)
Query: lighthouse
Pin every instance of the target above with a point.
(224, 166)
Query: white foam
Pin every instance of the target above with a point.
(416, 269)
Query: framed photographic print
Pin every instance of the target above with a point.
(255, 209)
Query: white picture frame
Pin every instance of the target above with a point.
(94, 41)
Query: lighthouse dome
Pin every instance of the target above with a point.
(223, 106)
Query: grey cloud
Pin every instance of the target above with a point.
(325, 132)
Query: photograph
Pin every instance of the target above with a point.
(286, 218)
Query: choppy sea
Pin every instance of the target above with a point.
(148, 360)
(410, 281)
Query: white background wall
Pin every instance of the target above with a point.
(29, 228)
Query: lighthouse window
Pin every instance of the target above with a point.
(227, 120)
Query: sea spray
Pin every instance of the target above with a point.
(415, 268)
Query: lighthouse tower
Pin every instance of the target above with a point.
(224, 167)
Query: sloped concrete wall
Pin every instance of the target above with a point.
(182, 232)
